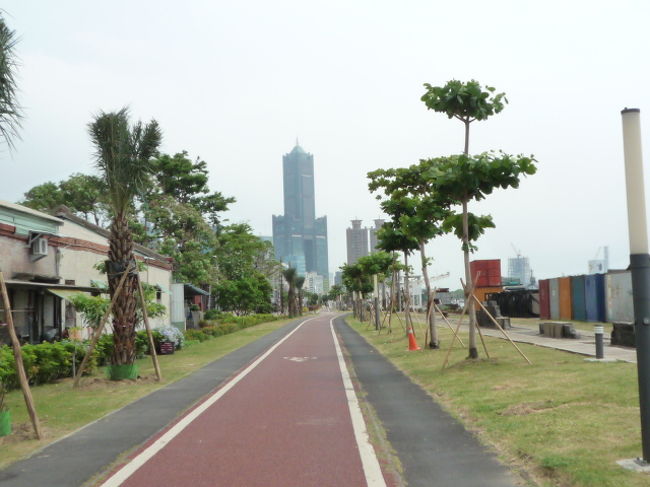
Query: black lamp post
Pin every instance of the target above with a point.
(639, 263)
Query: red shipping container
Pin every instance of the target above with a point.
(544, 300)
(490, 272)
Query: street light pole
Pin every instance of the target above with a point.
(639, 263)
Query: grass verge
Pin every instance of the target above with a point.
(62, 409)
(560, 422)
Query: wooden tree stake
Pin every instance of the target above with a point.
(501, 329)
(98, 332)
(152, 345)
(18, 357)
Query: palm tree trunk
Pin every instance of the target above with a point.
(120, 258)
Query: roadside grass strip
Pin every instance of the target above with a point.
(560, 422)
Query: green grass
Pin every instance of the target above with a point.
(561, 421)
(63, 409)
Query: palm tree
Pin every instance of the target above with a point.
(290, 276)
(122, 155)
(300, 281)
(10, 113)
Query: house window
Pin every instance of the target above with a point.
(69, 282)
(158, 294)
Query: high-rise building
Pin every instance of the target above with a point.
(519, 269)
(373, 234)
(299, 238)
(357, 242)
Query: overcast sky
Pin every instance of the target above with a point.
(236, 82)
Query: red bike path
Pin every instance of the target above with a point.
(286, 422)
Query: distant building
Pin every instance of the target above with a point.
(314, 283)
(338, 278)
(357, 242)
(299, 238)
(373, 234)
(519, 269)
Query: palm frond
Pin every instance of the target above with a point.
(10, 110)
(123, 155)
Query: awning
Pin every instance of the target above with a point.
(49, 286)
(191, 290)
(64, 293)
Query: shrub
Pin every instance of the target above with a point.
(212, 314)
(171, 334)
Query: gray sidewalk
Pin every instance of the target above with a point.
(585, 345)
(434, 449)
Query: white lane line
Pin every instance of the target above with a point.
(369, 461)
(130, 468)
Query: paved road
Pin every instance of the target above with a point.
(288, 419)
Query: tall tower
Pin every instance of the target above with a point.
(357, 242)
(373, 234)
(299, 238)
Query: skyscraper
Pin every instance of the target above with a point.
(299, 238)
(357, 242)
(373, 234)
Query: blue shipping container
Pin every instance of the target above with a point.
(579, 309)
(595, 297)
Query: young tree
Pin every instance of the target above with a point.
(123, 152)
(466, 102)
(463, 178)
(393, 237)
(10, 111)
(410, 197)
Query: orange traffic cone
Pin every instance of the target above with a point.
(413, 345)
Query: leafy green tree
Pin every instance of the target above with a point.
(83, 194)
(358, 283)
(411, 199)
(249, 294)
(44, 197)
(123, 152)
(179, 231)
(187, 182)
(10, 110)
(464, 178)
(465, 101)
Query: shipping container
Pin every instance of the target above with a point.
(618, 290)
(578, 309)
(554, 298)
(595, 297)
(481, 292)
(565, 298)
(490, 272)
(544, 302)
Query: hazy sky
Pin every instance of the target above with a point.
(236, 82)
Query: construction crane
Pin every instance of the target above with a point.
(517, 251)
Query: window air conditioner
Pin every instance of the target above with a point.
(39, 246)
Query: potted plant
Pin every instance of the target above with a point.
(5, 414)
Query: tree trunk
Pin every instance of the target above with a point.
(466, 150)
(433, 331)
(473, 351)
(407, 295)
(120, 258)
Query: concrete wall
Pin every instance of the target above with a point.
(15, 257)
